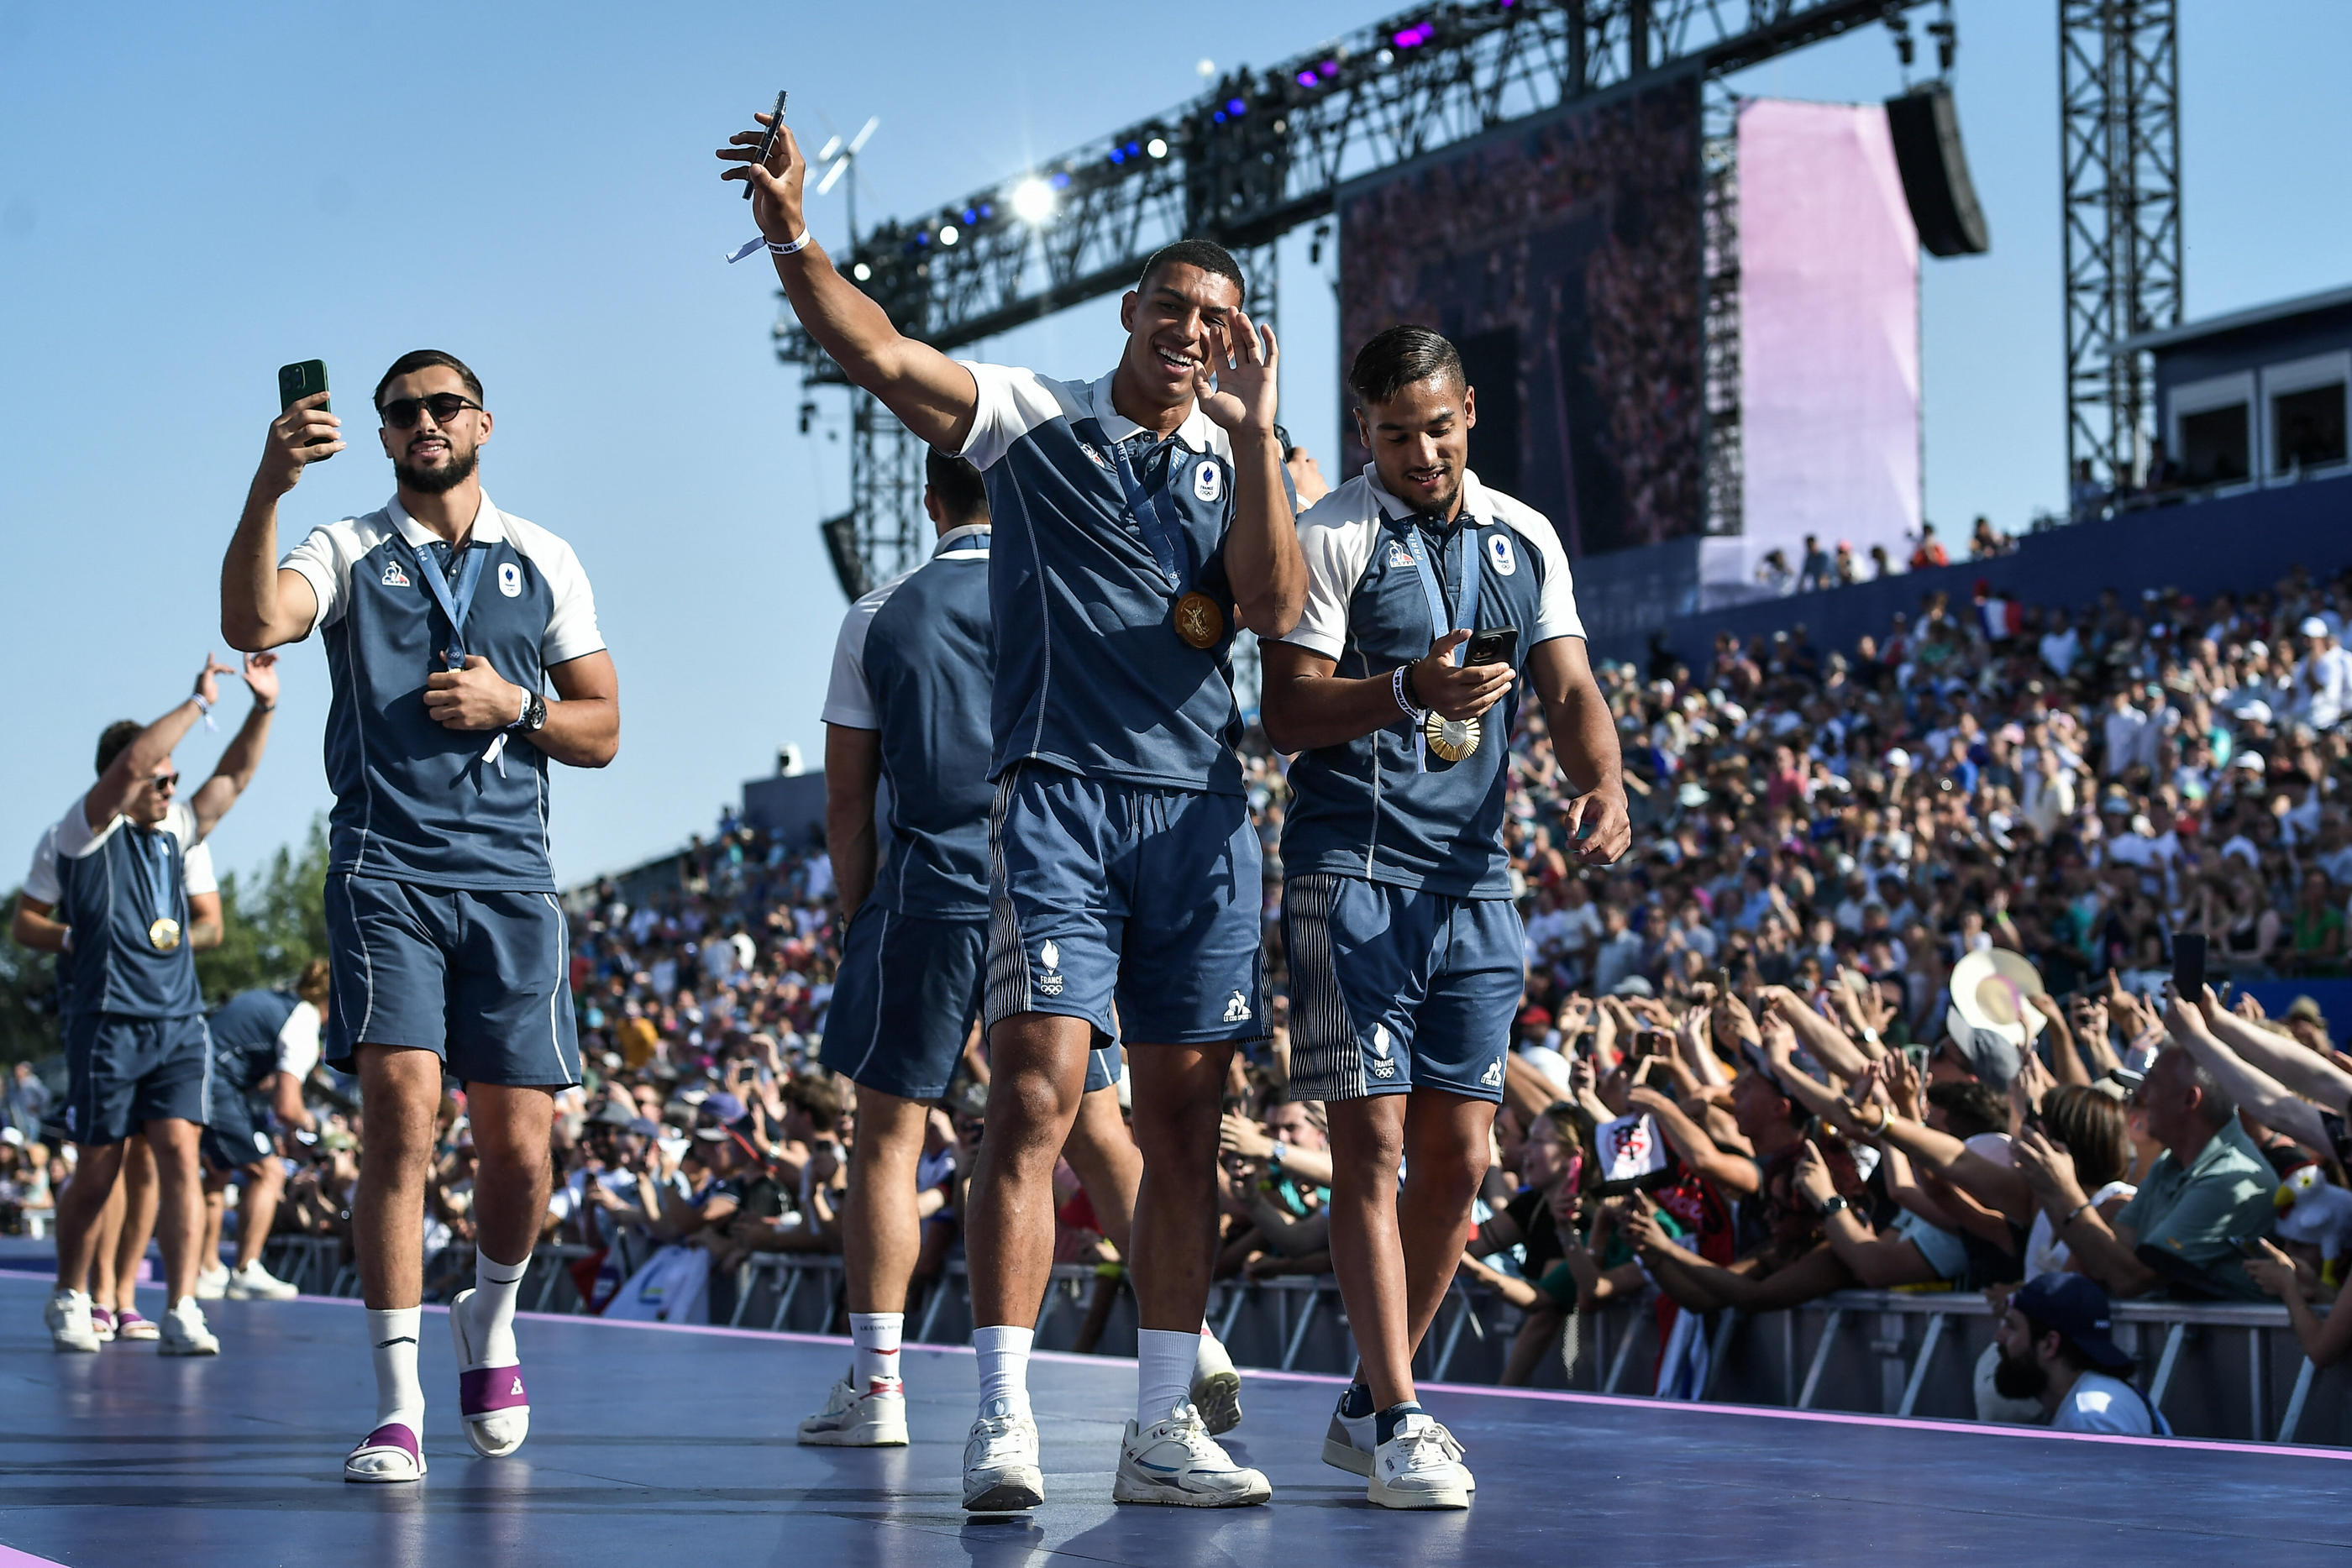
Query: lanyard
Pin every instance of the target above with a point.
(1441, 622)
(1164, 533)
(155, 869)
(454, 602)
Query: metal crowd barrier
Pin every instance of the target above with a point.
(319, 1266)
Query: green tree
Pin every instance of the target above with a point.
(270, 928)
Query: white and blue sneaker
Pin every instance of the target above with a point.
(1177, 1463)
(1000, 1462)
(1352, 1443)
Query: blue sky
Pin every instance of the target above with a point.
(193, 197)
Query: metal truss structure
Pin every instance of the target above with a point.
(2119, 150)
(1264, 152)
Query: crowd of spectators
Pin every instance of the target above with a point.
(1763, 987)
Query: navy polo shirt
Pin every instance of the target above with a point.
(258, 1034)
(1090, 674)
(915, 662)
(111, 885)
(413, 801)
(1367, 808)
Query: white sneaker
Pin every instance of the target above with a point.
(1000, 1462)
(254, 1283)
(1416, 1469)
(1350, 1443)
(876, 1419)
(185, 1332)
(211, 1283)
(1216, 1387)
(1177, 1462)
(67, 1316)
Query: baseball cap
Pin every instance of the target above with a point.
(1989, 1055)
(2312, 626)
(2074, 1306)
(2304, 1007)
(728, 1109)
(613, 1113)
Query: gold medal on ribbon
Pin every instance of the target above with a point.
(164, 935)
(1199, 620)
(1451, 739)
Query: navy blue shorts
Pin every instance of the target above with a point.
(232, 1141)
(124, 1072)
(1393, 989)
(480, 980)
(1104, 892)
(904, 1002)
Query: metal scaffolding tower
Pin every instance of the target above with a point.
(1263, 153)
(2119, 149)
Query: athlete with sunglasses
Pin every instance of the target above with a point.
(121, 890)
(445, 619)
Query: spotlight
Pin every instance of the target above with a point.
(1157, 147)
(863, 273)
(949, 234)
(1033, 201)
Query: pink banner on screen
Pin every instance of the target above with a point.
(1829, 318)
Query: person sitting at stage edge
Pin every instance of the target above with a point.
(2210, 1188)
(2056, 1348)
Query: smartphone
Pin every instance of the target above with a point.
(296, 383)
(1493, 646)
(2188, 967)
(768, 142)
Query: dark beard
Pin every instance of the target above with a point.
(2014, 1379)
(438, 481)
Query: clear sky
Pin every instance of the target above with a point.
(192, 196)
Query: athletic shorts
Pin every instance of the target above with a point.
(124, 1072)
(1106, 893)
(1393, 989)
(480, 980)
(226, 1152)
(904, 1001)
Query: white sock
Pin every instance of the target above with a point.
(1004, 1352)
(876, 1336)
(490, 1314)
(1163, 1372)
(398, 1395)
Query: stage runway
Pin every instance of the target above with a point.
(664, 1446)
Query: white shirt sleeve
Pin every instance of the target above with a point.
(1556, 614)
(1337, 535)
(297, 1042)
(41, 879)
(1008, 405)
(324, 558)
(196, 874)
(74, 836)
(848, 700)
(571, 630)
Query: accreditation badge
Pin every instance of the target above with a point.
(163, 935)
(1199, 620)
(1451, 739)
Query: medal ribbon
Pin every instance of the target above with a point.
(155, 870)
(456, 601)
(1440, 620)
(1161, 531)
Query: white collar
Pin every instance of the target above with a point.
(1194, 433)
(972, 539)
(1474, 504)
(488, 529)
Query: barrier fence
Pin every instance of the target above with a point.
(2232, 1371)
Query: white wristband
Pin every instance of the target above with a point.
(791, 246)
(1396, 685)
(752, 246)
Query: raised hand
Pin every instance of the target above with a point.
(1235, 385)
(287, 450)
(776, 184)
(209, 679)
(261, 678)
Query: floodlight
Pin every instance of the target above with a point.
(1033, 200)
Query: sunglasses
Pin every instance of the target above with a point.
(401, 413)
(165, 781)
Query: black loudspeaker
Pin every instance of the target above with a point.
(1927, 131)
(841, 544)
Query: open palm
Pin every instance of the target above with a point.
(1237, 387)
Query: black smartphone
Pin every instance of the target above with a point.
(296, 383)
(1495, 645)
(768, 142)
(2188, 967)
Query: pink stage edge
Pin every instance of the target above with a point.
(1555, 1396)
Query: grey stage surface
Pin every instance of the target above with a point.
(659, 1446)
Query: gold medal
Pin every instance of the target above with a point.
(1199, 620)
(1451, 739)
(163, 935)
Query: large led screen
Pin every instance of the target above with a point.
(1563, 257)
